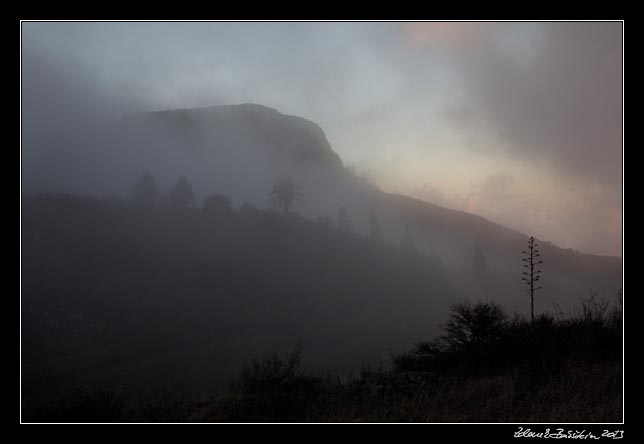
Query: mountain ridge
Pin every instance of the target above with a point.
(190, 116)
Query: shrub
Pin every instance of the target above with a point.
(476, 324)
(276, 371)
(217, 205)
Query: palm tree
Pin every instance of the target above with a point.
(284, 193)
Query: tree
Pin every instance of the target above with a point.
(407, 243)
(374, 228)
(217, 204)
(433, 255)
(284, 194)
(181, 195)
(344, 224)
(531, 276)
(479, 263)
(145, 191)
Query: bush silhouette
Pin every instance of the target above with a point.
(276, 371)
(481, 338)
(217, 205)
(474, 324)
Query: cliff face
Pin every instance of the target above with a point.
(274, 144)
(289, 136)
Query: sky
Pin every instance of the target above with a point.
(520, 123)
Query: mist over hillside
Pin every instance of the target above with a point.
(147, 296)
(242, 150)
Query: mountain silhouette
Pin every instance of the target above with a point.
(276, 145)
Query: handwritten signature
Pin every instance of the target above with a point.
(565, 434)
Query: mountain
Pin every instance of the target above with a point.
(143, 296)
(287, 136)
(259, 144)
(242, 150)
(115, 293)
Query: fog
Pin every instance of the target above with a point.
(195, 195)
(412, 106)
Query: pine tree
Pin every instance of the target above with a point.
(407, 242)
(374, 228)
(181, 195)
(145, 191)
(344, 224)
(479, 262)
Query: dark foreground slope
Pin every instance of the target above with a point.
(486, 368)
(153, 299)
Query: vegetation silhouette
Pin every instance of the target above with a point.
(145, 191)
(532, 275)
(134, 301)
(407, 243)
(218, 205)
(150, 299)
(487, 367)
(479, 263)
(344, 224)
(374, 228)
(284, 194)
(181, 196)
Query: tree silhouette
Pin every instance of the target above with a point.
(433, 255)
(479, 263)
(284, 194)
(145, 191)
(344, 224)
(181, 195)
(374, 227)
(407, 242)
(531, 276)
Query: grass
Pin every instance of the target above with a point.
(487, 367)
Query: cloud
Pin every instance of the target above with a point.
(453, 34)
(563, 108)
(540, 101)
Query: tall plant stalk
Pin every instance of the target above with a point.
(531, 276)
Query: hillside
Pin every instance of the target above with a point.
(241, 150)
(161, 297)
